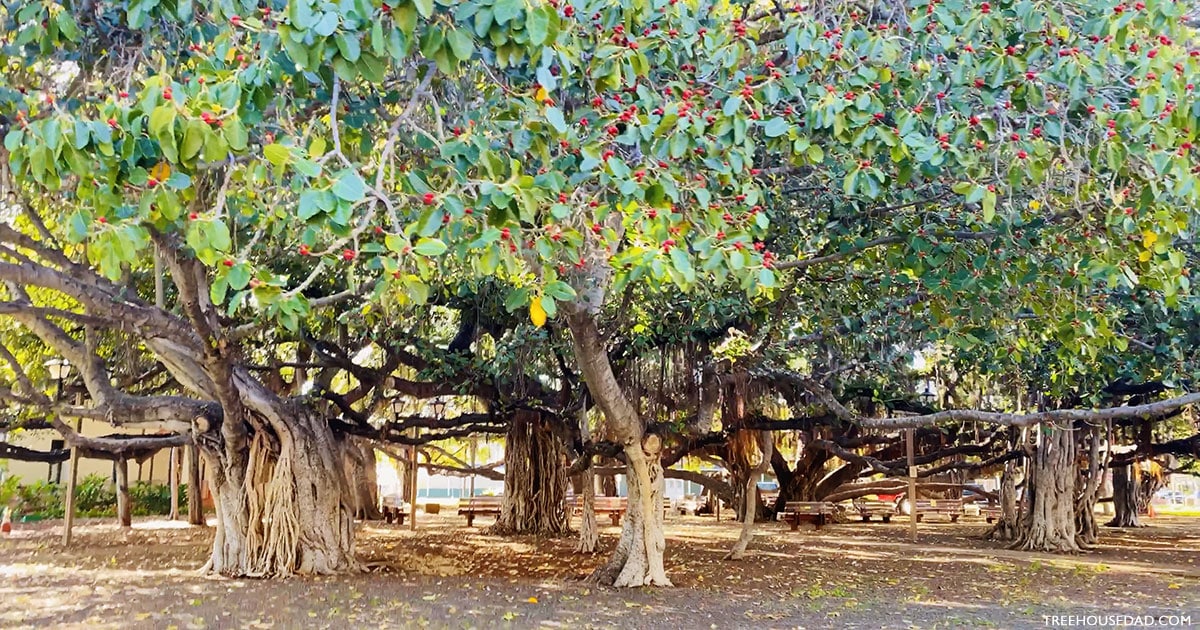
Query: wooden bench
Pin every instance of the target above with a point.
(950, 507)
(991, 512)
(479, 506)
(614, 507)
(816, 512)
(394, 509)
(867, 509)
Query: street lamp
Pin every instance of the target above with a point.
(59, 370)
(928, 395)
(439, 409)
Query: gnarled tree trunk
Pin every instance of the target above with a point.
(1006, 528)
(535, 479)
(359, 462)
(638, 558)
(1087, 491)
(1125, 481)
(282, 503)
(766, 445)
(1048, 523)
(589, 530)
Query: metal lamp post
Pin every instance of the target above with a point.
(59, 370)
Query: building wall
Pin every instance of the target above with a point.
(152, 470)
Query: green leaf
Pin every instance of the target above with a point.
(989, 206)
(178, 181)
(235, 134)
(238, 276)
(193, 140)
(277, 154)
(537, 24)
(776, 127)
(310, 205)
(161, 119)
(683, 264)
(555, 116)
(348, 46)
(461, 44)
(430, 247)
(349, 186)
(424, 7)
(560, 291)
(766, 278)
(326, 25)
(505, 10)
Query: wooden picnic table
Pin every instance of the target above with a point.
(950, 507)
(816, 512)
(394, 509)
(867, 509)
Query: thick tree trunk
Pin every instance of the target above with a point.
(359, 461)
(638, 558)
(124, 508)
(283, 505)
(1048, 524)
(1125, 502)
(750, 507)
(1148, 484)
(589, 530)
(1006, 528)
(1087, 490)
(195, 489)
(535, 479)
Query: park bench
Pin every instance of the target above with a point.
(867, 509)
(950, 507)
(479, 506)
(394, 509)
(614, 507)
(816, 512)
(991, 512)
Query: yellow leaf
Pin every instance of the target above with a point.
(1148, 239)
(1035, 205)
(541, 94)
(532, 600)
(161, 171)
(1144, 256)
(1063, 32)
(537, 314)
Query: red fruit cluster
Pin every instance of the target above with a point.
(428, 199)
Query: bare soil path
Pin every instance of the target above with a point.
(445, 575)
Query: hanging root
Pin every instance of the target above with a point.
(274, 535)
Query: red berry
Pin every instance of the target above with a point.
(193, 216)
(227, 262)
(428, 199)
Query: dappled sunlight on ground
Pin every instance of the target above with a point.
(448, 575)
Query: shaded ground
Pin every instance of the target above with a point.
(448, 576)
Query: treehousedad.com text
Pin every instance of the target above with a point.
(1109, 621)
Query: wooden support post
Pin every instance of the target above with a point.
(474, 448)
(412, 485)
(910, 434)
(72, 480)
(124, 509)
(195, 494)
(173, 479)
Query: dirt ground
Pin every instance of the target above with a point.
(445, 575)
